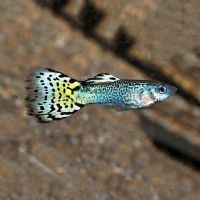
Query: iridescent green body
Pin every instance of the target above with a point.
(125, 94)
(52, 95)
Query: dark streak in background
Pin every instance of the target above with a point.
(89, 18)
(162, 138)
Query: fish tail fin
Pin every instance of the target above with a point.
(51, 95)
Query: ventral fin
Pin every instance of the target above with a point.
(101, 78)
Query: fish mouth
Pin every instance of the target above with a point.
(172, 90)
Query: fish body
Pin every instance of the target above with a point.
(126, 94)
(53, 95)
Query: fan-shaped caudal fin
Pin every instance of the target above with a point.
(51, 95)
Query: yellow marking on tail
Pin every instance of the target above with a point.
(73, 85)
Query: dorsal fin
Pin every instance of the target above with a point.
(101, 78)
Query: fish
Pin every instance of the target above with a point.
(52, 95)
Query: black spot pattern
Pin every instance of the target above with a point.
(45, 98)
(102, 78)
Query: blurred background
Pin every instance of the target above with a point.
(99, 153)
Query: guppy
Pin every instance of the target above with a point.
(51, 95)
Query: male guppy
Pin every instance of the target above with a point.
(51, 95)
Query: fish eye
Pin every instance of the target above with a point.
(162, 89)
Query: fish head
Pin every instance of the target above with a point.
(162, 91)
